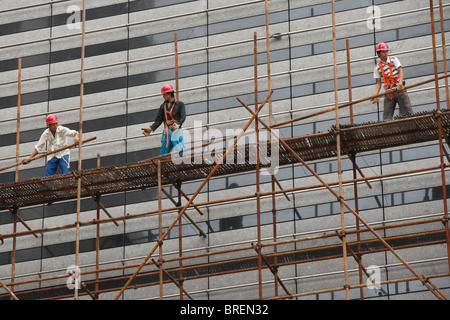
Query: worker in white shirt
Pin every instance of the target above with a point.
(390, 70)
(56, 137)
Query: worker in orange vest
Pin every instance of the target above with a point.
(390, 69)
(56, 138)
(173, 114)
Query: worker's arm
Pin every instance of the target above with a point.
(76, 138)
(400, 74)
(182, 113)
(378, 87)
(400, 79)
(34, 153)
(158, 120)
(38, 147)
(377, 90)
(66, 132)
(28, 159)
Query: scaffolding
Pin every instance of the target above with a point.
(266, 254)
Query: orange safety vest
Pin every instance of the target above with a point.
(389, 80)
(168, 122)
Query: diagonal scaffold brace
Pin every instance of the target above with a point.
(250, 121)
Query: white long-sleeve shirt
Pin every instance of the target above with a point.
(56, 142)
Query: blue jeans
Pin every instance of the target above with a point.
(176, 142)
(54, 163)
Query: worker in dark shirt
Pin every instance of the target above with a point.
(173, 114)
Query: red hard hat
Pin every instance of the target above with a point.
(51, 119)
(166, 88)
(382, 46)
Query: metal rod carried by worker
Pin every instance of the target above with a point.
(47, 154)
(56, 137)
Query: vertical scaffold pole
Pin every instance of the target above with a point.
(19, 98)
(97, 241)
(353, 159)
(444, 52)
(444, 58)
(176, 68)
(258, 193)
(338, 145)
(160, 264)
(180, 224)
(77, 245)
(180, 243)
(19, 101)
(269, 88)
(439, 121)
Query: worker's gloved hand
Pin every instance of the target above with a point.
(146, 131)
(400, 87)
(374, 100)
(174, 127)
(27, 160)
(76, 141)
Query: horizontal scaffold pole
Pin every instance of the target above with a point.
(47, 154)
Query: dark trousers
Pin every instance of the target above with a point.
(404, 104)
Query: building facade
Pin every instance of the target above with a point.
(129, 56)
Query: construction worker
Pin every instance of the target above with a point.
(173, 114)
(390, 69)
(56, 138)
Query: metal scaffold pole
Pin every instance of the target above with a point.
(77, 244)
(16, 179)
(273, 179)
(178, 184)
(338, 146)
(353, 160)
(257, 185)
(439, 119)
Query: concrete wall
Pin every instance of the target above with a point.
(130, 55)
